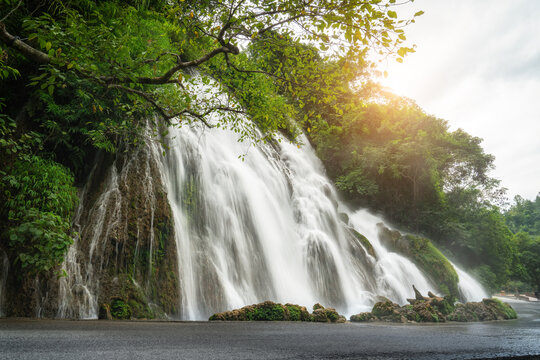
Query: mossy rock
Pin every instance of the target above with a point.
(267, 311)
(435, 264)
(427, 313)
(438, 309)
(363, 317)
(444, 305)
(503, 311)
(298, 313)
(365, 242)
(344, 217)
(270, 311)
(384, 308)
(486, 310)
(426, 256)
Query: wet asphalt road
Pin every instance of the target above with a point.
(64, 339)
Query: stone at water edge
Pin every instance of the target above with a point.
(485, 310)
(270, 311)
(322, 314)
(437, 309)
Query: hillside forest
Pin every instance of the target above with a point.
(79, 76)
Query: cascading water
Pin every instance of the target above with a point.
(263, 226)
(266, 227)
(469, 288)
(395, 275)
(104, 228)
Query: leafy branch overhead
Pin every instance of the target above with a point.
(145, 53)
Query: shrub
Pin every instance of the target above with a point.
(120, 310)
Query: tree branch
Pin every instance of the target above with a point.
(166, 77)
(11, 12)
(25, 49)
(201, 117)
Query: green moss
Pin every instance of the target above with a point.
(444, 306)
(295, 314)
(120, 310)
(383, 308)
(434, 263)
(362, 317)
(190, 196)
(276, 312)
(502, 308)
(365, 242)
(270, 311)
(333, 316)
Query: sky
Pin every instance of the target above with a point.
(477, 65)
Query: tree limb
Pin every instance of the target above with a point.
(25, 49)
(11, 12)
(148, 97)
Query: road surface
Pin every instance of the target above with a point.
(65, 339)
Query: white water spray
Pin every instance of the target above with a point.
(262, 227)
(469, 288)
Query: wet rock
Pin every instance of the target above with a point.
(384, 308)
(365, 242)
(322, 314)
(486, 310)
(437, 309)
(270, 311)
(364, 317)
(425, 255)
(427, 312)
(344, 217)
(417, 294)
(105, 312)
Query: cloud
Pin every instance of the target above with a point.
(478, 66)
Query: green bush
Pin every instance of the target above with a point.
(40, 241)
(120, 310)
(39, 202)
(266, 313)
(294, 312)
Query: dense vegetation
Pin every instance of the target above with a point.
(82, 76)
(523, 219)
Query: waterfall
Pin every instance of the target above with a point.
(395, 274)
(469, 288)
(111, 238)
(267, 227)
(251, 223)
(4, 267)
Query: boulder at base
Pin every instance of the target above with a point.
(271, 311)
(437, 309)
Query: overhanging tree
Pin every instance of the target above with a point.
(142, 50)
